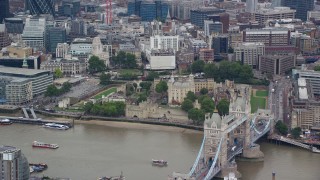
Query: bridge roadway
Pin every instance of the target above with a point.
(208, 172)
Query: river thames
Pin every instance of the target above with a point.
(89, 151)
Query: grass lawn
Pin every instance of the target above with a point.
(257, 102)
(262, 93)
(130, 71)
(105, 93)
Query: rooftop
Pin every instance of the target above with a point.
(302, 82)
(303, 93)
(20, 71)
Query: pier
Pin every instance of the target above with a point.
(34, 121)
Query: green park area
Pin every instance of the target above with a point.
(105, 93)
(258, 100)
(262, 93)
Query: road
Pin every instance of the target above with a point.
(278, 99)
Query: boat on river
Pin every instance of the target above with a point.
(56, 126)
(37, 167)
(44, 145)
(5, 122)
(315, 150)
(159, 162)
(121, 177)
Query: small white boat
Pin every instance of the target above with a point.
(315, 150)
(159, 162)
(5, 122)
(56, 126)
(44, 145)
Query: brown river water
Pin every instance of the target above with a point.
(89, 151)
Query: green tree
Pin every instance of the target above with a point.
(130, 61)
(186, 105)
(245, 74)
(296, 132)
(142, 97)
(152, 75)
(57, 73)
(146, 85)
(161, 87)
(207, 105)
(281, 128)
(87, 107)
(211, 71)
(204, 91)
(96, 65)
(105, 79)
(66, 87)
(223, 107)
(196, 115)
(197, 66)
(317, 68)
(191, 96)
(52, 90)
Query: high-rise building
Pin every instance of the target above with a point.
(251, 6)
(148, 10)
(14, 25)
(4, 37)
(164, 42)
(220, 43)
(55, 35)
(34, 33)
(301, 6)
(248, 53)
(276, 64)
(265, 15)
(269, 36)
(212, 27)
(197, 17)
(13, 164)
(69, 8)
(276, 3)
(4, 9)
(40, 6)
(224, 18)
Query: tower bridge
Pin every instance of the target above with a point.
(228, 136)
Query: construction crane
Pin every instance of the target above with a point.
(108, 11)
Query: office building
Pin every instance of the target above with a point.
(69, 8)
(164, 42)
(162, 59)
(224, 18)
(4, 10)
(265, 15)
(197, 17)
(268, 36)
(62, 49)
(13, 164)
(251, 6)
(26, 83)
(36, 7)
(301, 6)
(212, 27)
(78, 28)
(4, 37)
(276, 64)
(196, 44)
(34, 33)
(305, 103)
(148, 10)
(72, 66)
(55, 35)
(276, 3)
(249, 53)
(206, 55)
(313, 77)
(220, 43)
(14, 25)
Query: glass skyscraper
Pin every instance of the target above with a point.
(148, 10)
(40, 6)
(4, 9)
(301, 6)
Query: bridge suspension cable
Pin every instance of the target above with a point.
(208, 176)
(198, 158)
